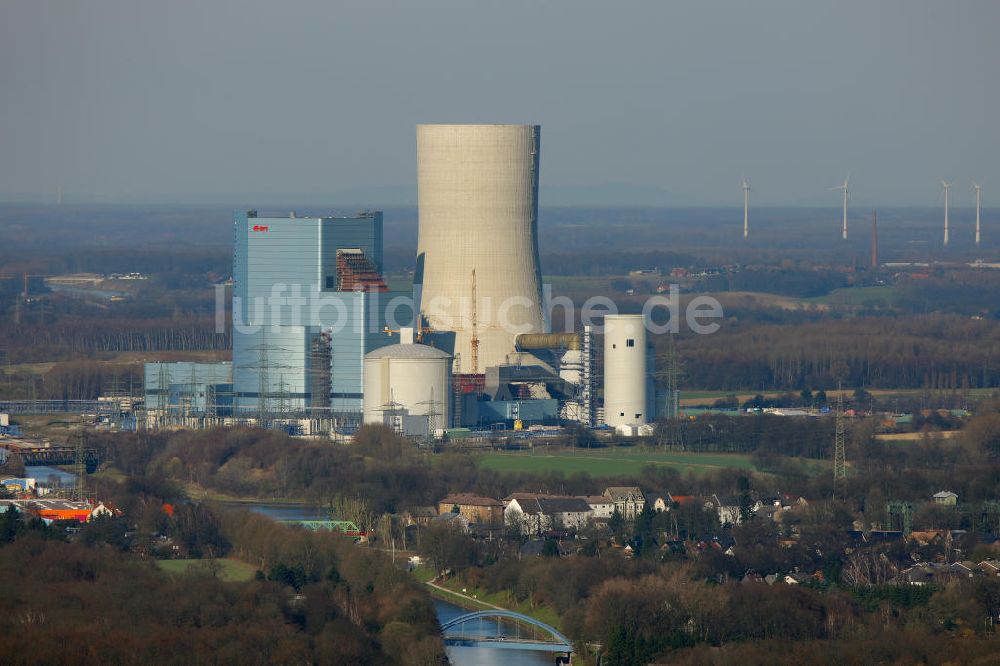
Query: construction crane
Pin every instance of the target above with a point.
(474, 342)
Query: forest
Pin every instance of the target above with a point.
(924, 351)
(98, 598)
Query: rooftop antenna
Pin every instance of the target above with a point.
(979, 200)
(843, 187)
(946, 185)
(746, 207)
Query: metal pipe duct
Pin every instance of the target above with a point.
(532, 341)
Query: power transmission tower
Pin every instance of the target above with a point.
(80, 467)
(432, 414)
(394, 411)
(264, 367)
(670, 377)
(282, 396)
(840, 453)
(163, 396)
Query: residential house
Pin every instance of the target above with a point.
(656, 502)
(601, 506)
(475, 508)
(534, 515)
(680, 500)
(727, 507)
(769, 512)
(420, 515)
(946, 498)
(662, 503)
(990, 567)
(629, 500)
(570, 513)
(456, 520)
(964, 569)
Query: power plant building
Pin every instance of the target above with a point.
(309, 302)
(477, 270)
(192, 388)
(408, 387)
(626, 371)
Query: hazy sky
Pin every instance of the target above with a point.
(667, 102)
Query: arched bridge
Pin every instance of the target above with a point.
(488, 629)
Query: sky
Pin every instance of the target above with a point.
(649, 103)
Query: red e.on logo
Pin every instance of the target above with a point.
(260, 227)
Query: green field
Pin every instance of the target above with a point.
(230, 570)
(609, 462)
(856, 296)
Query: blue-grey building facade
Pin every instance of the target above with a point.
(192, 388)
(301, 325)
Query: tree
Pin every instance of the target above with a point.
(616, 524)
(448, 546)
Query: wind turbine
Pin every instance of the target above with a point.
(946, 185)
(844, 188)
(979, 200)
(746, 207)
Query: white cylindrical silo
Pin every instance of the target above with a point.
(478, 210)
(625, 370)
(407, 380)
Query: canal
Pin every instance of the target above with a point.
(280, 511)
(458, 656)
(52, 477)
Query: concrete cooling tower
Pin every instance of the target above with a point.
(478, 234)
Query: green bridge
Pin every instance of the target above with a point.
(345, 527)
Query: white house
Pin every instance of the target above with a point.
(946, 497)
(629, 500)
(601, 507)
(727, 508)
(536, 515)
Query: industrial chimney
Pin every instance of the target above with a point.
(477, 251)
(874, 241)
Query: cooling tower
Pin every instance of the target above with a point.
(478, 210)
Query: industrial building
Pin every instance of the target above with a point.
(408, 387)
(309, 301)
(326, 273)
(318, 337)
(189, 388)
(627, 378)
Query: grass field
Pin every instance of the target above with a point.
(856, 296)
(609, 462)
(230, 570)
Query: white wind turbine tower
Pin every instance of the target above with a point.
(979, 200)
(946, 185)
(844, 188)
(746, 208)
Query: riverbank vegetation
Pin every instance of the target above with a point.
(150, 586)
